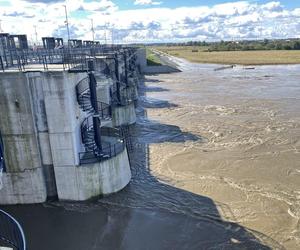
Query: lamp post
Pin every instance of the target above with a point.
(93, 31)
(67, 23)
(36, 35)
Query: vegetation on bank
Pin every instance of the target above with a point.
(201, 54)
(152, 59)
(256, 45)
(246, 45)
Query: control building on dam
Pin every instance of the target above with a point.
(61, 110)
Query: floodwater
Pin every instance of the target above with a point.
(216, 165)
(249, 157)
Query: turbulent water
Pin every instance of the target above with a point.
(215, 163)
(248, 155)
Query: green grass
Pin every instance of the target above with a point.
(263, 57)
(152, 59)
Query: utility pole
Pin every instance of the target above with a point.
(67, 24)
(105, 35)
(93, 31)
(36, 35)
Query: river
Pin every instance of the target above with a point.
(216, 165)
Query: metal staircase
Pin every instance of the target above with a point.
(89, 136)
(88, 102)
(100, 143)
(123, 92)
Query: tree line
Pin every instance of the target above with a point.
(266, 44)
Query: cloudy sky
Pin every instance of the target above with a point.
(153, 20)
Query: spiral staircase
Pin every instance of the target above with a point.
(88, 105)
(100, 143)
(123, 92)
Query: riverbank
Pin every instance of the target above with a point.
(199, 55)
(152, 58)
(159, 63)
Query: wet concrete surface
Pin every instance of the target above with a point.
(215, 163)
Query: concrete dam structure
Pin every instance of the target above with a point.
(62, 112)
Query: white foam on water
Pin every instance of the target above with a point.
(220, 110)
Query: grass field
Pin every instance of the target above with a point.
(264, 57)
(152, 59)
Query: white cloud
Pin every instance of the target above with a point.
(273, 6)
(146, 2)
(239, 20)
(106, 6)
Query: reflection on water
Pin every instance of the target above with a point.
(214, 167)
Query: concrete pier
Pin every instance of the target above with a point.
(23, 181)
(124, 115)
(91, 180)
(51, 125)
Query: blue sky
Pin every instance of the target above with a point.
(147, 21)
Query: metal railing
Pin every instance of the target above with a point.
(104, 110)
(114, 145)
(84, 100)
(11, 233)
(67, 58)
(126, 95)
(87, 135)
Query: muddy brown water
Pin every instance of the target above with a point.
(215, 162)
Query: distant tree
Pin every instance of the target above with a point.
(297, 45)
(278, 46)
(287, 47)
(270, 46)
(266, 41)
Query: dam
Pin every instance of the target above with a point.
(213, 158)
(62, 114)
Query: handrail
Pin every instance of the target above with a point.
(127, 95)
(104, 110)
(83, 99)
(87, 132)
(81, 87)
(69, 58)
(108, 149)
(11, 233)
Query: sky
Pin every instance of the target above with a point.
(152, 21)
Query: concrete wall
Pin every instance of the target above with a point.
(35, 83)
(123, 115)
(103, 85)
(142, 59)
(40, 126)
(90, 180)
(23, 181)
